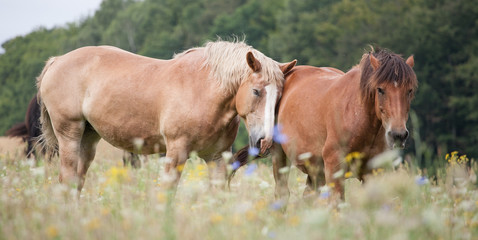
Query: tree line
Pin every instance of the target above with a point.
(442, 35)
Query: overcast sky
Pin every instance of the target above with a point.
(19, 17)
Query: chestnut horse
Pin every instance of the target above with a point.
(145, 105)
(326, 114)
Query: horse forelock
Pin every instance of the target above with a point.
(392, 70)
(228, 65)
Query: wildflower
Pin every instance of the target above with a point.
(283, 170)
(264, 185)
(253, 151)
(161, 197)
(421, 180)
(338, 174)
(325, 191)
(277, 205)
(353, 155)
(324, 195)
(294, 220)
(236, 165)
(52, 231)
(215, 218)
(93, 224)
(250, 169)
(304, 156)
(117, 175)
(348, 174)
(180, 167)
(278, 136)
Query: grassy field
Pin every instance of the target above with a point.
(125, 203)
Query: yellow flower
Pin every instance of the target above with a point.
(332, 185)
(294, 221)
(105, 211)
(180, 167)
(353, 155)
(51, 231)
(215, 218)
(250, 215)
(348, 174)
(117, 175)
(161, 197)
(260, 204)
(93, 224)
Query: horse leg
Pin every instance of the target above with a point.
(217, 173)
(279, 161)
(332, 165)
(177, 154)
(87, 154)
(69, 136)
(30, 150)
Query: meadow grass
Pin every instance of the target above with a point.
(125, 203)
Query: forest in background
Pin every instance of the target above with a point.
(441, 34)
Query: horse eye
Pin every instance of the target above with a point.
(256, 92)
(380, 91)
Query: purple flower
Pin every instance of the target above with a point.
(324, 195)
(271, 234)
(277, 205)
(278, 136)
(253, 151)
(250, 169)
(421, 180)
(236, 165)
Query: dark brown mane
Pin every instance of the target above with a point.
(392, 69)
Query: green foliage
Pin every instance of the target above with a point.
(443, 36)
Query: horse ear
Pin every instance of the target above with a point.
(286, 67)
(253, 63)
(410, 61)
(374, 62)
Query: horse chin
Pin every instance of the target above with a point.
(398, 145)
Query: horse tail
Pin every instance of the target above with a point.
(18, 130)
(47, 139)
(242, 157)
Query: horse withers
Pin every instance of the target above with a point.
(327, 114)
(189, 103)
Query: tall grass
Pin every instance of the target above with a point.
(125, 203)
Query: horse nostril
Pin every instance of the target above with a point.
(399, 136)
(258, 143)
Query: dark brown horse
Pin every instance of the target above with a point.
(327, 114)
(29, 130)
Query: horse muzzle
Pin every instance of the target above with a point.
(260, 143)
(397, 139)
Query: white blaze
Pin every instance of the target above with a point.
(271, 97)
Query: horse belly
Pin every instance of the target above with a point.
(129, 128)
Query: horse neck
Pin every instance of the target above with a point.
(366, 105)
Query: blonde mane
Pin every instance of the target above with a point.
(227, 61)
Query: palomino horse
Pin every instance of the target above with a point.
(188, 103)
(326, 114)
(29, 130)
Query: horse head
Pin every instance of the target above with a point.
(391, 84)
(256, 99)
